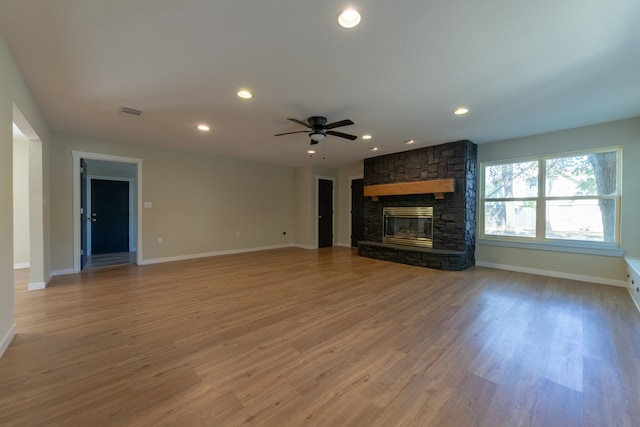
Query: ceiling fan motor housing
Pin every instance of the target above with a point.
(317, 121)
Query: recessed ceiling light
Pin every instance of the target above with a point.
(366, 136)
(409, 141)
(311, 151)
(349, 18)
(203, 127)
(460, 111)
(373, 149)
(245, 94)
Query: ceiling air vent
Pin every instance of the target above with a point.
(127, 111)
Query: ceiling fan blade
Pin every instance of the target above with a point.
(301, 122)
(346, 122)
(341, 135)
(288, 133)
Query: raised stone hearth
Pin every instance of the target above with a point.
(454, 213)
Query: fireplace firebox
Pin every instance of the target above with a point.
(411, 226)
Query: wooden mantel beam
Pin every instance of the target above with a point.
(436, 186)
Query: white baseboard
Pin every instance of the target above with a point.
(557, 274)
(6, 340)
(211, 254)
(37, 286)
(305, 246)
(344, 245)
(21, 265)
(63, 272)
(186, 257)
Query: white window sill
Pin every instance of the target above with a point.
(570, 247)
(633, 263)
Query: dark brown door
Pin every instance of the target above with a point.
(83, 214)
(357, 211)
(325, 213)
(109, 216)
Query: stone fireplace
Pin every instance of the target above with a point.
(441, 178)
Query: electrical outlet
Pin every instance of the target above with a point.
(160, 241)
(237, 234)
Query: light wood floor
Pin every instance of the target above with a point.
(295, 337)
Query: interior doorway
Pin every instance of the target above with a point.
(108, 207)
(107, 202)
(21, 226)
(325, 212)
(29, 201)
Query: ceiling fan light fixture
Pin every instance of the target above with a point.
(349, 18)
(317, 136)
(366, 136)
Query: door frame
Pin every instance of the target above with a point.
(132, 199)
(317, 206)
(77, 155)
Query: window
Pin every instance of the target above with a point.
(560, 198)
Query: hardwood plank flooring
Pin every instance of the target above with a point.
(293, 337)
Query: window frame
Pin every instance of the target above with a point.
(540, 241)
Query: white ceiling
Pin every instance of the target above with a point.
(522, 68)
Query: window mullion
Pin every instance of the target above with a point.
(541, 204)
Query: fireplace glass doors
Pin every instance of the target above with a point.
(412, 226)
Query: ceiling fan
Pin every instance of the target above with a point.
(320, 129)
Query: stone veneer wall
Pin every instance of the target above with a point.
(454, 227)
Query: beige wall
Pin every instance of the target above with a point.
(6, 199)
(39, 272)
(201, 204)
(111, 169)
(20, 202)
(625, 133)
(304, 191)
(346, 174)
(13, 92)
